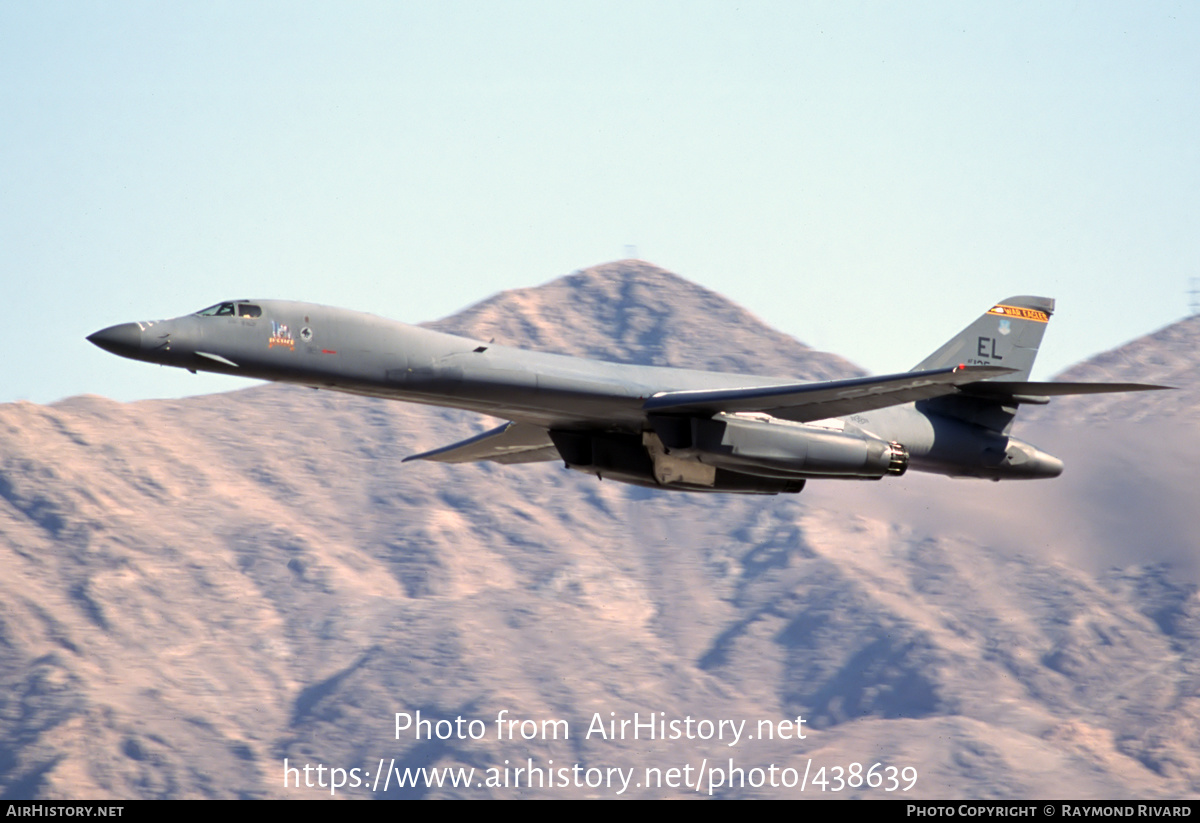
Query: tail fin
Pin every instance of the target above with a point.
(1008, 334)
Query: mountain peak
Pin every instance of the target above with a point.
(631, 311)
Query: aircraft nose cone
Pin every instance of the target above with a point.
(124, 339)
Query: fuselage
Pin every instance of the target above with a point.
(332, 348)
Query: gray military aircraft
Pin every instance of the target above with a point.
(660, 427)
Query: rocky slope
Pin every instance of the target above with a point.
(195, 591)
(1168, 357)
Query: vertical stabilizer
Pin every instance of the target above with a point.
(1008, 334)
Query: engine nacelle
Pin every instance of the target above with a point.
(641, 460)
(769, 447)
(752, 454)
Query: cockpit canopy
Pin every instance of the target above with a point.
(237, 308)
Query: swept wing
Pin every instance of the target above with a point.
(804, 402)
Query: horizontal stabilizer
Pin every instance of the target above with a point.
(1000, 390)
(804, 402)
(510, 443)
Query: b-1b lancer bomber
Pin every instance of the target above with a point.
(660, 427)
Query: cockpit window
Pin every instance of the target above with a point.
(231, 310)
(219, 310)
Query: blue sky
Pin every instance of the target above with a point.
(867, 177)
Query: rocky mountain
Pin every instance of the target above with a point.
(1168, 357)
(197, 592)
(635, 312)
